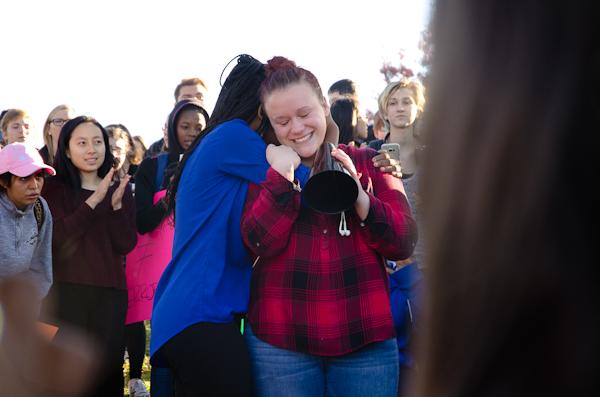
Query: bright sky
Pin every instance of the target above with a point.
(119, 61)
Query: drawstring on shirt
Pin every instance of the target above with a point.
(343, 229)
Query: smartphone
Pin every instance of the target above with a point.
(393, 149)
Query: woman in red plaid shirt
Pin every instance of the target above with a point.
(319, 314)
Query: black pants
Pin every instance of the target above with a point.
(209, 360)
(135, 338)
(100, 314)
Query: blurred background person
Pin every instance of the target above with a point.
(160, 146)
(346, 89)
(401, 104)
(342, 89)
(2, 142)
(192, 88)
(378, 126)
(512, 304)
(122, 148)
(345, 114)
(140, 150)
(16, 126)
(187, 119)
(52, 126)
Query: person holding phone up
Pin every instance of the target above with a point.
(401, 105)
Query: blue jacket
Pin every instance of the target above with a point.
(208, 278)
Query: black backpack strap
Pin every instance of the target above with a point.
(38, 211)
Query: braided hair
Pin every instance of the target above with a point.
(238, 99)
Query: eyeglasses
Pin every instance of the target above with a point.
(58, 122)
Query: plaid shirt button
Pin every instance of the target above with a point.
(324, 231)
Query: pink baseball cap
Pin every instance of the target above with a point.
(22, 160)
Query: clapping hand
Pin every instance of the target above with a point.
(117, 196)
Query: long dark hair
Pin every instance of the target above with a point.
(342, 112)
(512, 304)
(66, 172)
(238, 99)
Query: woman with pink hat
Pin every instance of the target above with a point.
(26, 227)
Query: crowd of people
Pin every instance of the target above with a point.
(107, 193)
(467, 222)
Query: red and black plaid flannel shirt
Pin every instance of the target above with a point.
(314, 291)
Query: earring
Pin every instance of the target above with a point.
(259, 113)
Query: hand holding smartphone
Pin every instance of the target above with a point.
(393, 150)
(390, 163)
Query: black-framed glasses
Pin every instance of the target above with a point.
(58, 122)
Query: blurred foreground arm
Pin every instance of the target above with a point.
(30, 364)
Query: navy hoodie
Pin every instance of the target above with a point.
(149, 215)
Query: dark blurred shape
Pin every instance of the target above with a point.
(329, 189)
(30, 364)
(344, 113)
(512, 305)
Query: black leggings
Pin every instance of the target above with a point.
(209, 359)
(135, 341)
(99, 313)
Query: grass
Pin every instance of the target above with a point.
(145, 366)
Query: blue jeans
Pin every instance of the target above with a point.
(370, 371)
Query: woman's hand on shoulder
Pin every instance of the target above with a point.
(283, 159)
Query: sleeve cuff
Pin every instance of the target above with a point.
(278, 185)
(116, 212)
(283, 192)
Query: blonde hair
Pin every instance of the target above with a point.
(384, 98)
(139, 150)
(46, 132)
(10, 115)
